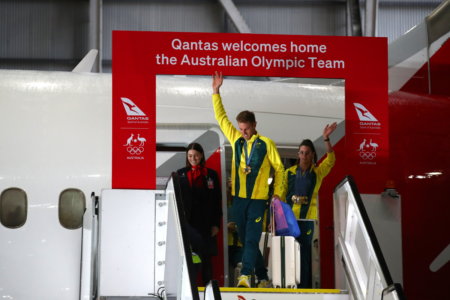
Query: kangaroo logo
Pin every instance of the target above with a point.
(131, 108)
(135, 150)
(361, 147)
(129, 141)
(363, 113)
(367, 154)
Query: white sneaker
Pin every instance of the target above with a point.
(243, 281)
(264, 284)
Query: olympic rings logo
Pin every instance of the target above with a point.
(367, 155)
(135, 150)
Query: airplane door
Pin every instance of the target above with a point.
(360, 266)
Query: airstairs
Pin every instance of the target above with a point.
(135, 246)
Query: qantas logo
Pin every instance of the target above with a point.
(363, 113)
(131, 108)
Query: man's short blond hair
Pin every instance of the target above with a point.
(246, 116)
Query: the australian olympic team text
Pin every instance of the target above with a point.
(256, 61)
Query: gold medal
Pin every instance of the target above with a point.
(247, 169)
(300, 199)
(303, 200)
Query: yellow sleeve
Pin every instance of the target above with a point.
(275, 161)
(227, 127)
(325, 167)
(285, 186)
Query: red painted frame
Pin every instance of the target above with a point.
(364, 68)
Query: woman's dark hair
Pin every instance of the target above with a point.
(309, 144)
(197, 147)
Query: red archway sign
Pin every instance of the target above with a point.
(139, 56)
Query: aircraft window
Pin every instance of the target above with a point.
(72, 204)
(13, 208)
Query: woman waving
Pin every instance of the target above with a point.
(301, 186)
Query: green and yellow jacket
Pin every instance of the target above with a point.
(254, 185)
(316, 175)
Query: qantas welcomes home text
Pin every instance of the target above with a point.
(302, 55)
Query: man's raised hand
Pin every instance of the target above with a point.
(217, 82)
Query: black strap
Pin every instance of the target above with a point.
(266, 240)
(283, 262)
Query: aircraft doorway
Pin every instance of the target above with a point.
(286, 112)
(289, 110)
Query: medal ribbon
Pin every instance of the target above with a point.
(249, 158)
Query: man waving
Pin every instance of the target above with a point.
(253, 156)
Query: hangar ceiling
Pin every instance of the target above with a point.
(56, 34)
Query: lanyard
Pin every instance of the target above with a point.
(248, 158)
